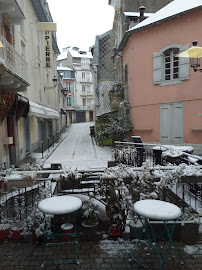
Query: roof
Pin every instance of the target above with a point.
(62, 56)
(136, 14)
(76, 53)
(64, 68)
(175, 8)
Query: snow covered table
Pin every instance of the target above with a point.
(165, 212)
(58, 206)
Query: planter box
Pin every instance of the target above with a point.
(4, 233)
(17, 233)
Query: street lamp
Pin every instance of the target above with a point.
(55, 80)
(194, 53)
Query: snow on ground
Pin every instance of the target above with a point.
(79, 150)
(193, 250)
(112, 247)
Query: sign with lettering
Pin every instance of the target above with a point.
(48, 46)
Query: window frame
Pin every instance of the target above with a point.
(171, 81)
(159, 68)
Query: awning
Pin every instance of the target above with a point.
(42, 111)
(50, 113)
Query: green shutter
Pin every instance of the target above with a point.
(157, 67)
(184, 64)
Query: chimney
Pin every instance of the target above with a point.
(141, 9)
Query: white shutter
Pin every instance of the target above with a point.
(184, 64)
(157, 69)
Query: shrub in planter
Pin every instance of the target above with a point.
(89, 213)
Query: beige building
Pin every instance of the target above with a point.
(29, 101)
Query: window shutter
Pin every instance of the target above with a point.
(157, 71)
(184, 64)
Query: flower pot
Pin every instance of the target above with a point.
(67, 228)
(116, 230)
(135, 228)
(17, 233)
(89, 231)
(4, 232)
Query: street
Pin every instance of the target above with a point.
(79, 150)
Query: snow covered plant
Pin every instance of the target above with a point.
(29, 171)
(89, 212)
(72, 178)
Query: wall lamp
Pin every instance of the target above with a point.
(55, 81)
(194, 53)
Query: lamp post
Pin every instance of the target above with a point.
(194, 53)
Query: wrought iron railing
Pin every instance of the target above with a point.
(13, 60)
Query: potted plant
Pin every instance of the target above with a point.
(89, 218)
(17, 229)
(89, 213)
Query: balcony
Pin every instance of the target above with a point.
(16, 68)
(86, 80)
(14, 9)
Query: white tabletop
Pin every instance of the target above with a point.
(60, 205)
(157, 210)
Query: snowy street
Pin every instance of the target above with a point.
(79, 150)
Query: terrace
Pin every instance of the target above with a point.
(22, 189)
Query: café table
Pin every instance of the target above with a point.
(149, 211)
(59, 205)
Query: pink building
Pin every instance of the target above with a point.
(163, 91)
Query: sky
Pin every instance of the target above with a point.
(79, 21)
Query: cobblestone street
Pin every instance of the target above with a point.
(105, 254)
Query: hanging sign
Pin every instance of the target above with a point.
(48, 46)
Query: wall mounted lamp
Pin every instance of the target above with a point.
(194, 53)
(55, 81)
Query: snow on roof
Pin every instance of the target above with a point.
(64, 68)
(137, 14)
(174, 8)
(63, 55)
(80, 53)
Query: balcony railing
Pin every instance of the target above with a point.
(14, 62)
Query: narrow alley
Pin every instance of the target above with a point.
(79, 150)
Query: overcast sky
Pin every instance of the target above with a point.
(79, 21)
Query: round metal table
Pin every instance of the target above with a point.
(59, 205)
(156, 210)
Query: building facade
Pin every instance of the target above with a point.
(31, 85)
(82, 96)
(165, 94)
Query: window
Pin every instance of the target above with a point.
(22, 27)
(171, 64)
(83, 89)
(168, 69)
(83, 75)
(68, 87)
(23, 50)
(69, 101)
(84, 102)
(88, 89)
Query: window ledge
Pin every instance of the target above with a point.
(170, 82)
(196, 129)
(144, 129)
